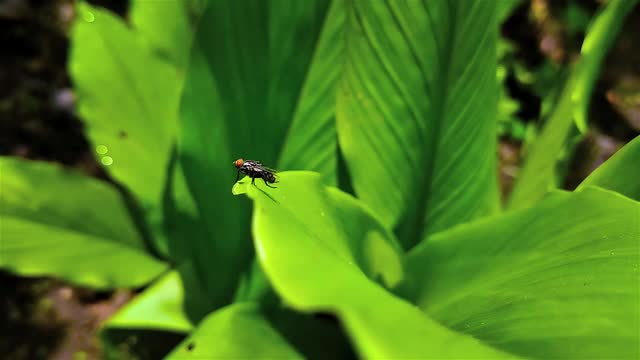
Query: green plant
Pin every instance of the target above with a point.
(397, 100)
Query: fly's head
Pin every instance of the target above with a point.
(238, 163)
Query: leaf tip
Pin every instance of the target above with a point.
(239, 188)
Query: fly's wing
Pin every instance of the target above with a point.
(253, 162)
(265, 169)
(259, 164)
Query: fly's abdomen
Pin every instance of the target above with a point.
(269, 177)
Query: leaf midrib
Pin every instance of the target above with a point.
(417, 218)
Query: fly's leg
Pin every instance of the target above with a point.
(266, 183)
(253, 181)
(238, 176)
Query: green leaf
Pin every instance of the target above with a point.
(166, 25)
(601, 36)
(238, 331)
(160, 307)
(620, 173)
(241, 104)
(539, 174)
(182, 221)
(150, 324)
(311, 140)
(128, 100)
(321, 249)
(505, 8)
(417, 111)
(223, 249)
(558, 280)
(58, 222)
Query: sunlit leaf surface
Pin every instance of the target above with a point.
(417, 111)
(322, 251)
(58, 222)
(558, 280)
(160, 307)
(127, 97)
(167, 25)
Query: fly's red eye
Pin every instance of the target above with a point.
(239, 162)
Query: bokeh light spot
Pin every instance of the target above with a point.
(101, 149)
(88, 16)
(107, 160)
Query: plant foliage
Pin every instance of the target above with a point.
(384, 236)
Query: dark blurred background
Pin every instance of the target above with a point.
(45, 318)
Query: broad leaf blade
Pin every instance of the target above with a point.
(416, 111)
(222, 250)
(58, 222)
(238, 331)
(128, 98)
(620, 173)
(558, 280)
(311, 140)
(166, 25)
(150, 325)
(315, 245)
(111, 65)
(160, 307)
(241, 90)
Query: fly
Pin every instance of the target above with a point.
(255, 170)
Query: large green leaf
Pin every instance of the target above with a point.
(160, 307)
(166, 25)
(539, 174)
(188, 242)
(246, 72)
(558, 280)
(620, 173)
(128, 99)
(58, 222)
(311, 140)
(416, 111)
(321, 249)
(238, 331)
